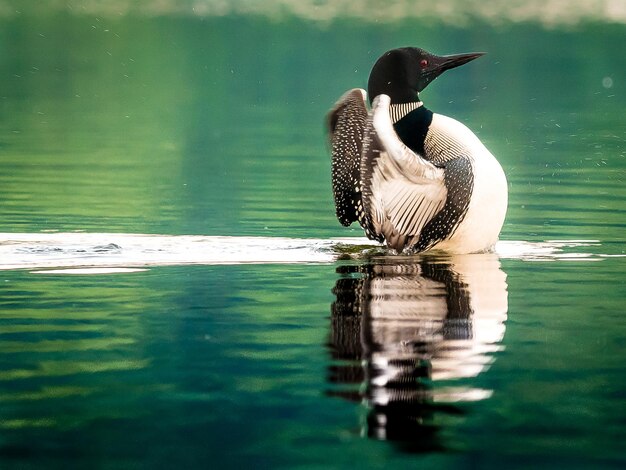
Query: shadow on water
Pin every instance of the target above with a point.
(406, 337)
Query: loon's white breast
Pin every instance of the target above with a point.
(478, 230)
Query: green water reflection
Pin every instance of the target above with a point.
(228, 365)
(214, 126)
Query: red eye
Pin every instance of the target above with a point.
(423, 63)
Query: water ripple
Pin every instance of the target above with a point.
(98, 253)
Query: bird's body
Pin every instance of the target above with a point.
(413, 178)
(480, 226)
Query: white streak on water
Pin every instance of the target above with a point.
(115, 250)
(97, 253)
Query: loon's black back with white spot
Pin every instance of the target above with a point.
(346, 124)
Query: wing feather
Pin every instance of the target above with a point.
(402, 191)
(345, 124)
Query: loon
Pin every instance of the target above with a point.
(412, 178)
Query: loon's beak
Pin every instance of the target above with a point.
(439, 64)
(448, 62)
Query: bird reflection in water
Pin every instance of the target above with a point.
(407, 334)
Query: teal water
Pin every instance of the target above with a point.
(131, 337)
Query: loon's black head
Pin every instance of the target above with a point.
(403, 73)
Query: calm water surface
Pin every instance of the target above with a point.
(283, 345)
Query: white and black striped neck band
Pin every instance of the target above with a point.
(398, 111)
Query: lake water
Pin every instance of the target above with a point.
(176, 292)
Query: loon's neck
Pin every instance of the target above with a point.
(412, 126)
(399, 110)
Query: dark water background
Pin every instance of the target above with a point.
(213, 126)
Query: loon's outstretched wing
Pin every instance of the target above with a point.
(346, 124)
(401, 191)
